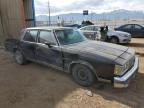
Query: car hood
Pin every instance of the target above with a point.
(118, 32)
(97, 48)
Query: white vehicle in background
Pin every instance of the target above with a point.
(112, 35)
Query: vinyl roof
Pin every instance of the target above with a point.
(50, 28)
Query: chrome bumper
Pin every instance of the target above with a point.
(123, 82)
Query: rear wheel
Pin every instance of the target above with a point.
(20, 59)
(83, 75)
(114, 40)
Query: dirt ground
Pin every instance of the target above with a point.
(37, 86)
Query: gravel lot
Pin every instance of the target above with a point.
(37, 86)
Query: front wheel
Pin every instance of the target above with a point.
(83, 75)
(20, 59)
(114, 40)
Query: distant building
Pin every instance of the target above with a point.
(14, 16)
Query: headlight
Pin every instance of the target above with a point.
(119, 69)
(123, 35)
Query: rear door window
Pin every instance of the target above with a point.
(90, 28)
(31, 35)
(127, 27)
(96, 28)
(46, 36)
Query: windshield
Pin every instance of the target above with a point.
(69, 36)
(110, 29)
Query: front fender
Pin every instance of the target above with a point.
(82, 63)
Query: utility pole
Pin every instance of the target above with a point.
(91, 15)
(49, 13)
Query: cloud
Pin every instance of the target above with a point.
(86, 4)
(42, 7)
(99, 6)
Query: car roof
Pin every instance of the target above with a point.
(132, 24)
(48, 28)
(92, 25)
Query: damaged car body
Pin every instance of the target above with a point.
(68, 50)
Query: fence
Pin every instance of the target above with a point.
(110, 23)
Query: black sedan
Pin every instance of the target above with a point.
(134, 29)
(68, 50)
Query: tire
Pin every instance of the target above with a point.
(19, 58)
(83, 75)
(114, 40)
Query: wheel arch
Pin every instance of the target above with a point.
(73, 63)
(18, 48)
(114, 36)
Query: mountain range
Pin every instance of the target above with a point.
(113, 15)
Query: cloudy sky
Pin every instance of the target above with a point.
(98, 6)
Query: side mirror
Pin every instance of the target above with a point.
(49, 44)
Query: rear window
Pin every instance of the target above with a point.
(137, 27)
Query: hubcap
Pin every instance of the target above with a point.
(82, 75)
(113, 40)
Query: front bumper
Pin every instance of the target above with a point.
(123, 82)
(128, 40)
(125, 39)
